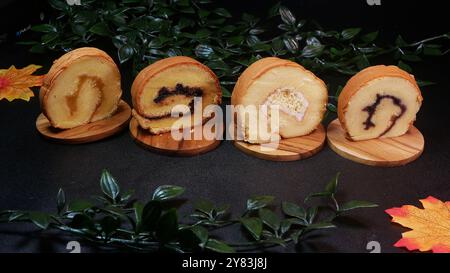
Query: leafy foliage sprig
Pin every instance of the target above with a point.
(118, 221)
(144, 31)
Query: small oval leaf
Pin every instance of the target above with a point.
(109, 185)
(166, 192)
(253, 225)
(125, 53)
(218, 246)
(258, 202)
(287, 16)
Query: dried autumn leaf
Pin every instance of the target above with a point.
(15, 83)
(430, 226)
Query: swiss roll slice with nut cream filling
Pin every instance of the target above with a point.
(170, 82)
(82, 86)
(300, 96)
(380, 101)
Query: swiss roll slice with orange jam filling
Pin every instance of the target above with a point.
(380, 101)
(300, 96)
(170, 82)
(82, 86)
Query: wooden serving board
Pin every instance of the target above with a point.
(288, 149)
(89, 132)
(166, 144)
(383, 152)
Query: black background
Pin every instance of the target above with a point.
(32, 169)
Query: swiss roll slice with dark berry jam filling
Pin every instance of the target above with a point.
(380, 101)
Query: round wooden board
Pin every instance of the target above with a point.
(383, 152)
(89, 132)
(289, 149)
(166, 144)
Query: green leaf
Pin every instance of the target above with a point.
(222, 12)
(399, 41)
(17, 215)
(411, 58)
(225, 92)
(296, 235)
(218, 246)
(49, 37)
(404, 66)
(202, 13)
(201, 233)
(291, 44)
(252, 40)
(311, 214)
(362, 62)
(167, 192)
(258, 202)
(274, 10)
(44, 28)
(204, 206)
(188, 240)
(27, 43)
(275, 240)
(311, 51)
(60, 200)
(58, 4)
(370, 37)
(256, 31)
(323, 225)
(125, 53)
(286, 16)
(151, 213)
(338, 91)
(79, 205)
(270, 218)
(350, 33)
(188, 10)
(109, 224)
(293, 210)
(109, 185)
(318, 194)
(331, 187)
(138, 209)
(167, 227)
(356, 204)
(431, 51)
(253, 225)
(285, 226)
(82, 221)
(203, 51)
(127, 195)
(313, 41)
(40, 219)
(421, 83)
(331, 107)
(100, 29)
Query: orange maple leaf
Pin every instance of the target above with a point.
(15, 83)
(430, 226)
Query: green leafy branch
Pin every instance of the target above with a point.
(118, 221)
(144, 31)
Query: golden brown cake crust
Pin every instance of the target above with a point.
(259, 68)
(363, 77)
(157, 67)
(60, 64)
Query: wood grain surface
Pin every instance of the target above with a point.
(166, 144)
(90, 132)
(382, 152)
(288, 149)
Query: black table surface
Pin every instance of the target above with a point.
(33, 169)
